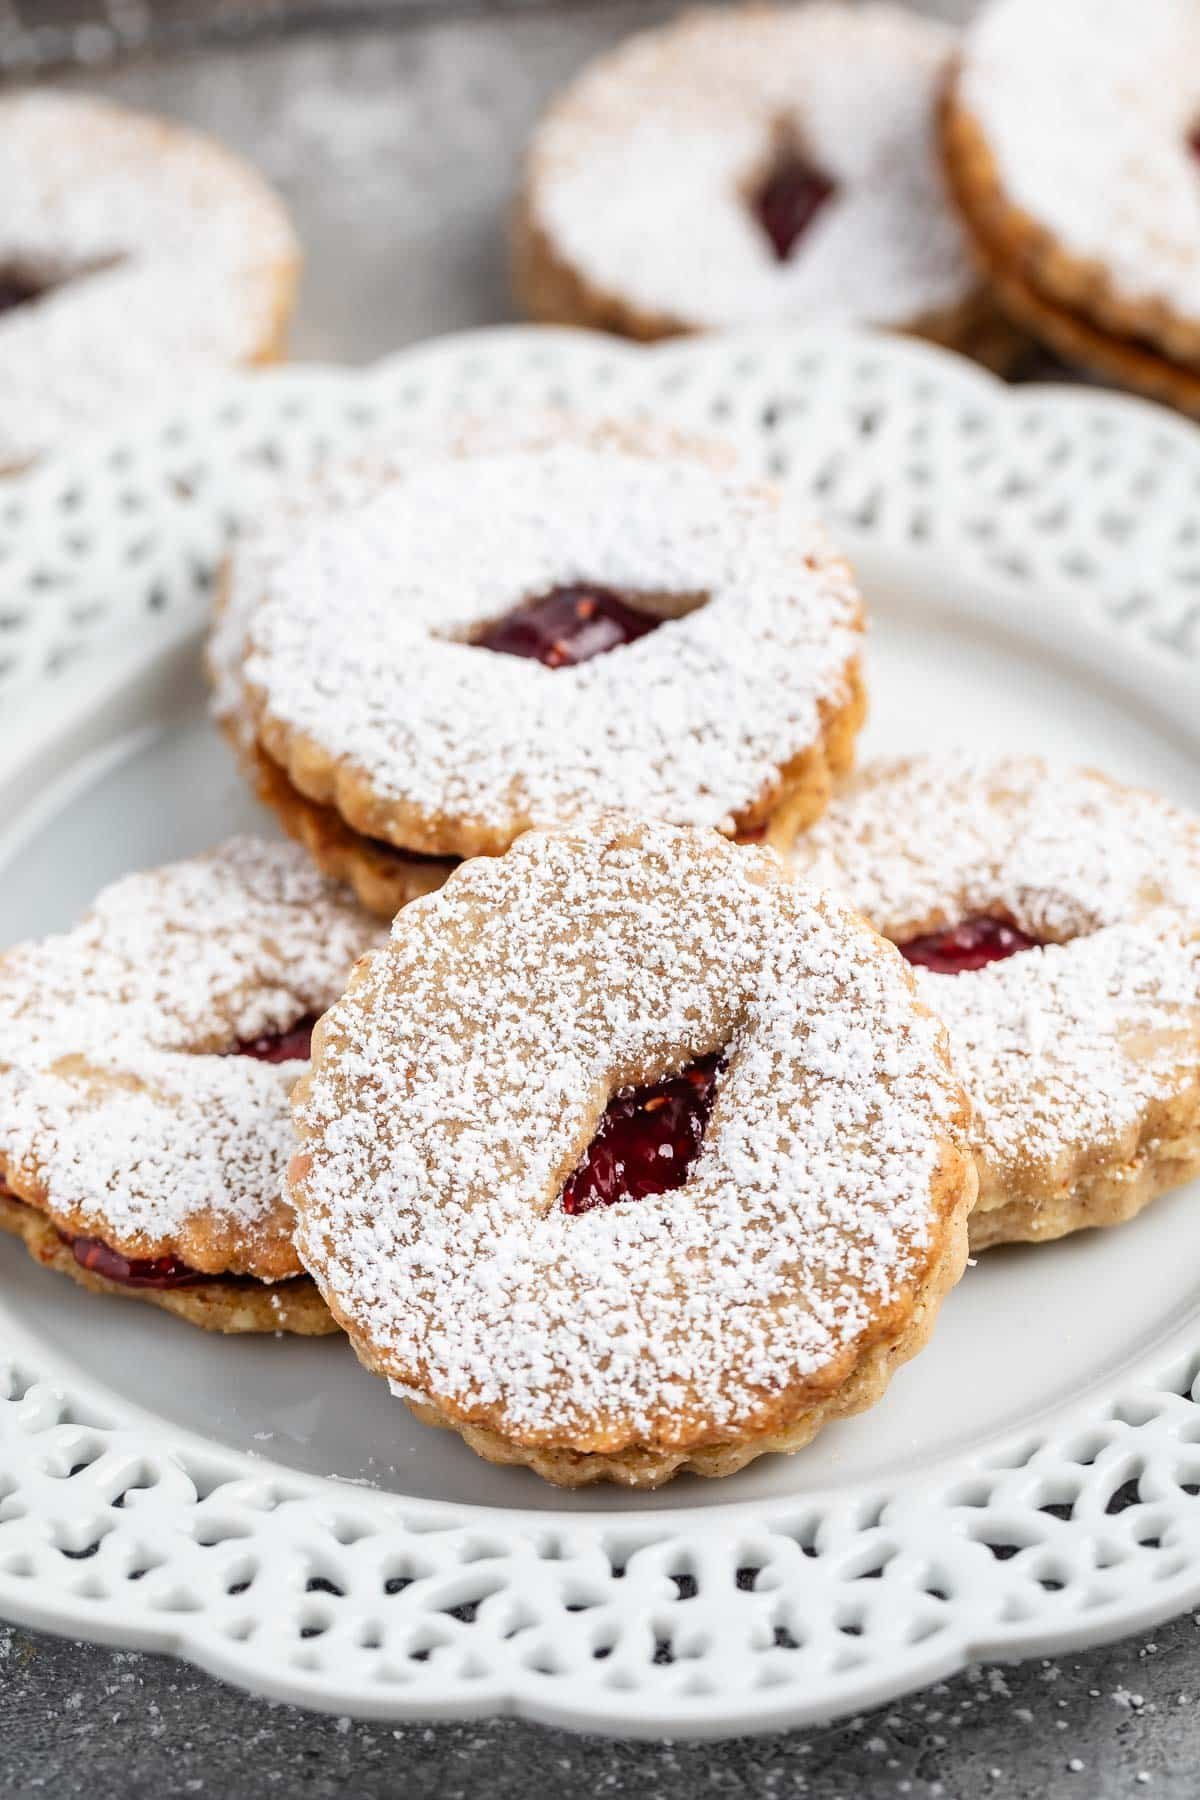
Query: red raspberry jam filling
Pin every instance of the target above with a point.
(293, 1045)
(16, 290)
(143, 1272)
(569, 625)
(647, 1140)
(150, 1271)
(972, 945)
(789, 199)
(1193, 141)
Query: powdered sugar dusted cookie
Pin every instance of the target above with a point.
(384, 876)
(753, 166)
(516, 638)
(1054, 919)
(134, 255)
(1072, 142)
(628, 1154)
(146, 1060)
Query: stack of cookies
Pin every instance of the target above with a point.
(625, 1076)
(1037, 178)
(651, 1134)
(1071, 138)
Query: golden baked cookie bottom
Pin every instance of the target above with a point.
(1063, 302)
(645, 1467)
(1167, 1156)
(233, 1307)
(332, 809)
(382, 878)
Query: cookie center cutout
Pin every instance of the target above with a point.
(568, 626)
(788, 199)
(1193, 141)
(21, 283)
(292, 1045)
(17, 289)
(973, 944)
(647, 1140)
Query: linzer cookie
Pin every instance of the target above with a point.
(1071, 136)
(748, 167)
(146, 1060)
(384, 877)
(491, 641)
(630, 1154)
(135, 256)
(1054, 920)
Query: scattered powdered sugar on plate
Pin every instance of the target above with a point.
(175, 260)
(639, 174)
(1087, 107)
(458, 1083)
(1062, 1045)
(356, 642)
(117, 1106)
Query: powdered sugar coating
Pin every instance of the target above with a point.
(118, 1112)
(1064, 1049)
(265, 542)
(354, 647)
(639, 175)
(1087, 106)
(334, 488)
(182, 262)
(459, 1081)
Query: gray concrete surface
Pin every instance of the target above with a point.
(397, 151)
(104, 1725)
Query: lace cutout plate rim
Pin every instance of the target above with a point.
(746, 1613)
(899, 446)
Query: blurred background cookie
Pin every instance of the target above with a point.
(136, 256)
(750, 167)
(1072, 144)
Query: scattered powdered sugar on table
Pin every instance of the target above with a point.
(174, 258)
(458, 1083)
(1087, 106)
(639, 174)
(1068, 1043)
(115, 1097)
(354, 642)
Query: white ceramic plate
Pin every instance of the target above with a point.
(1031, 1482)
